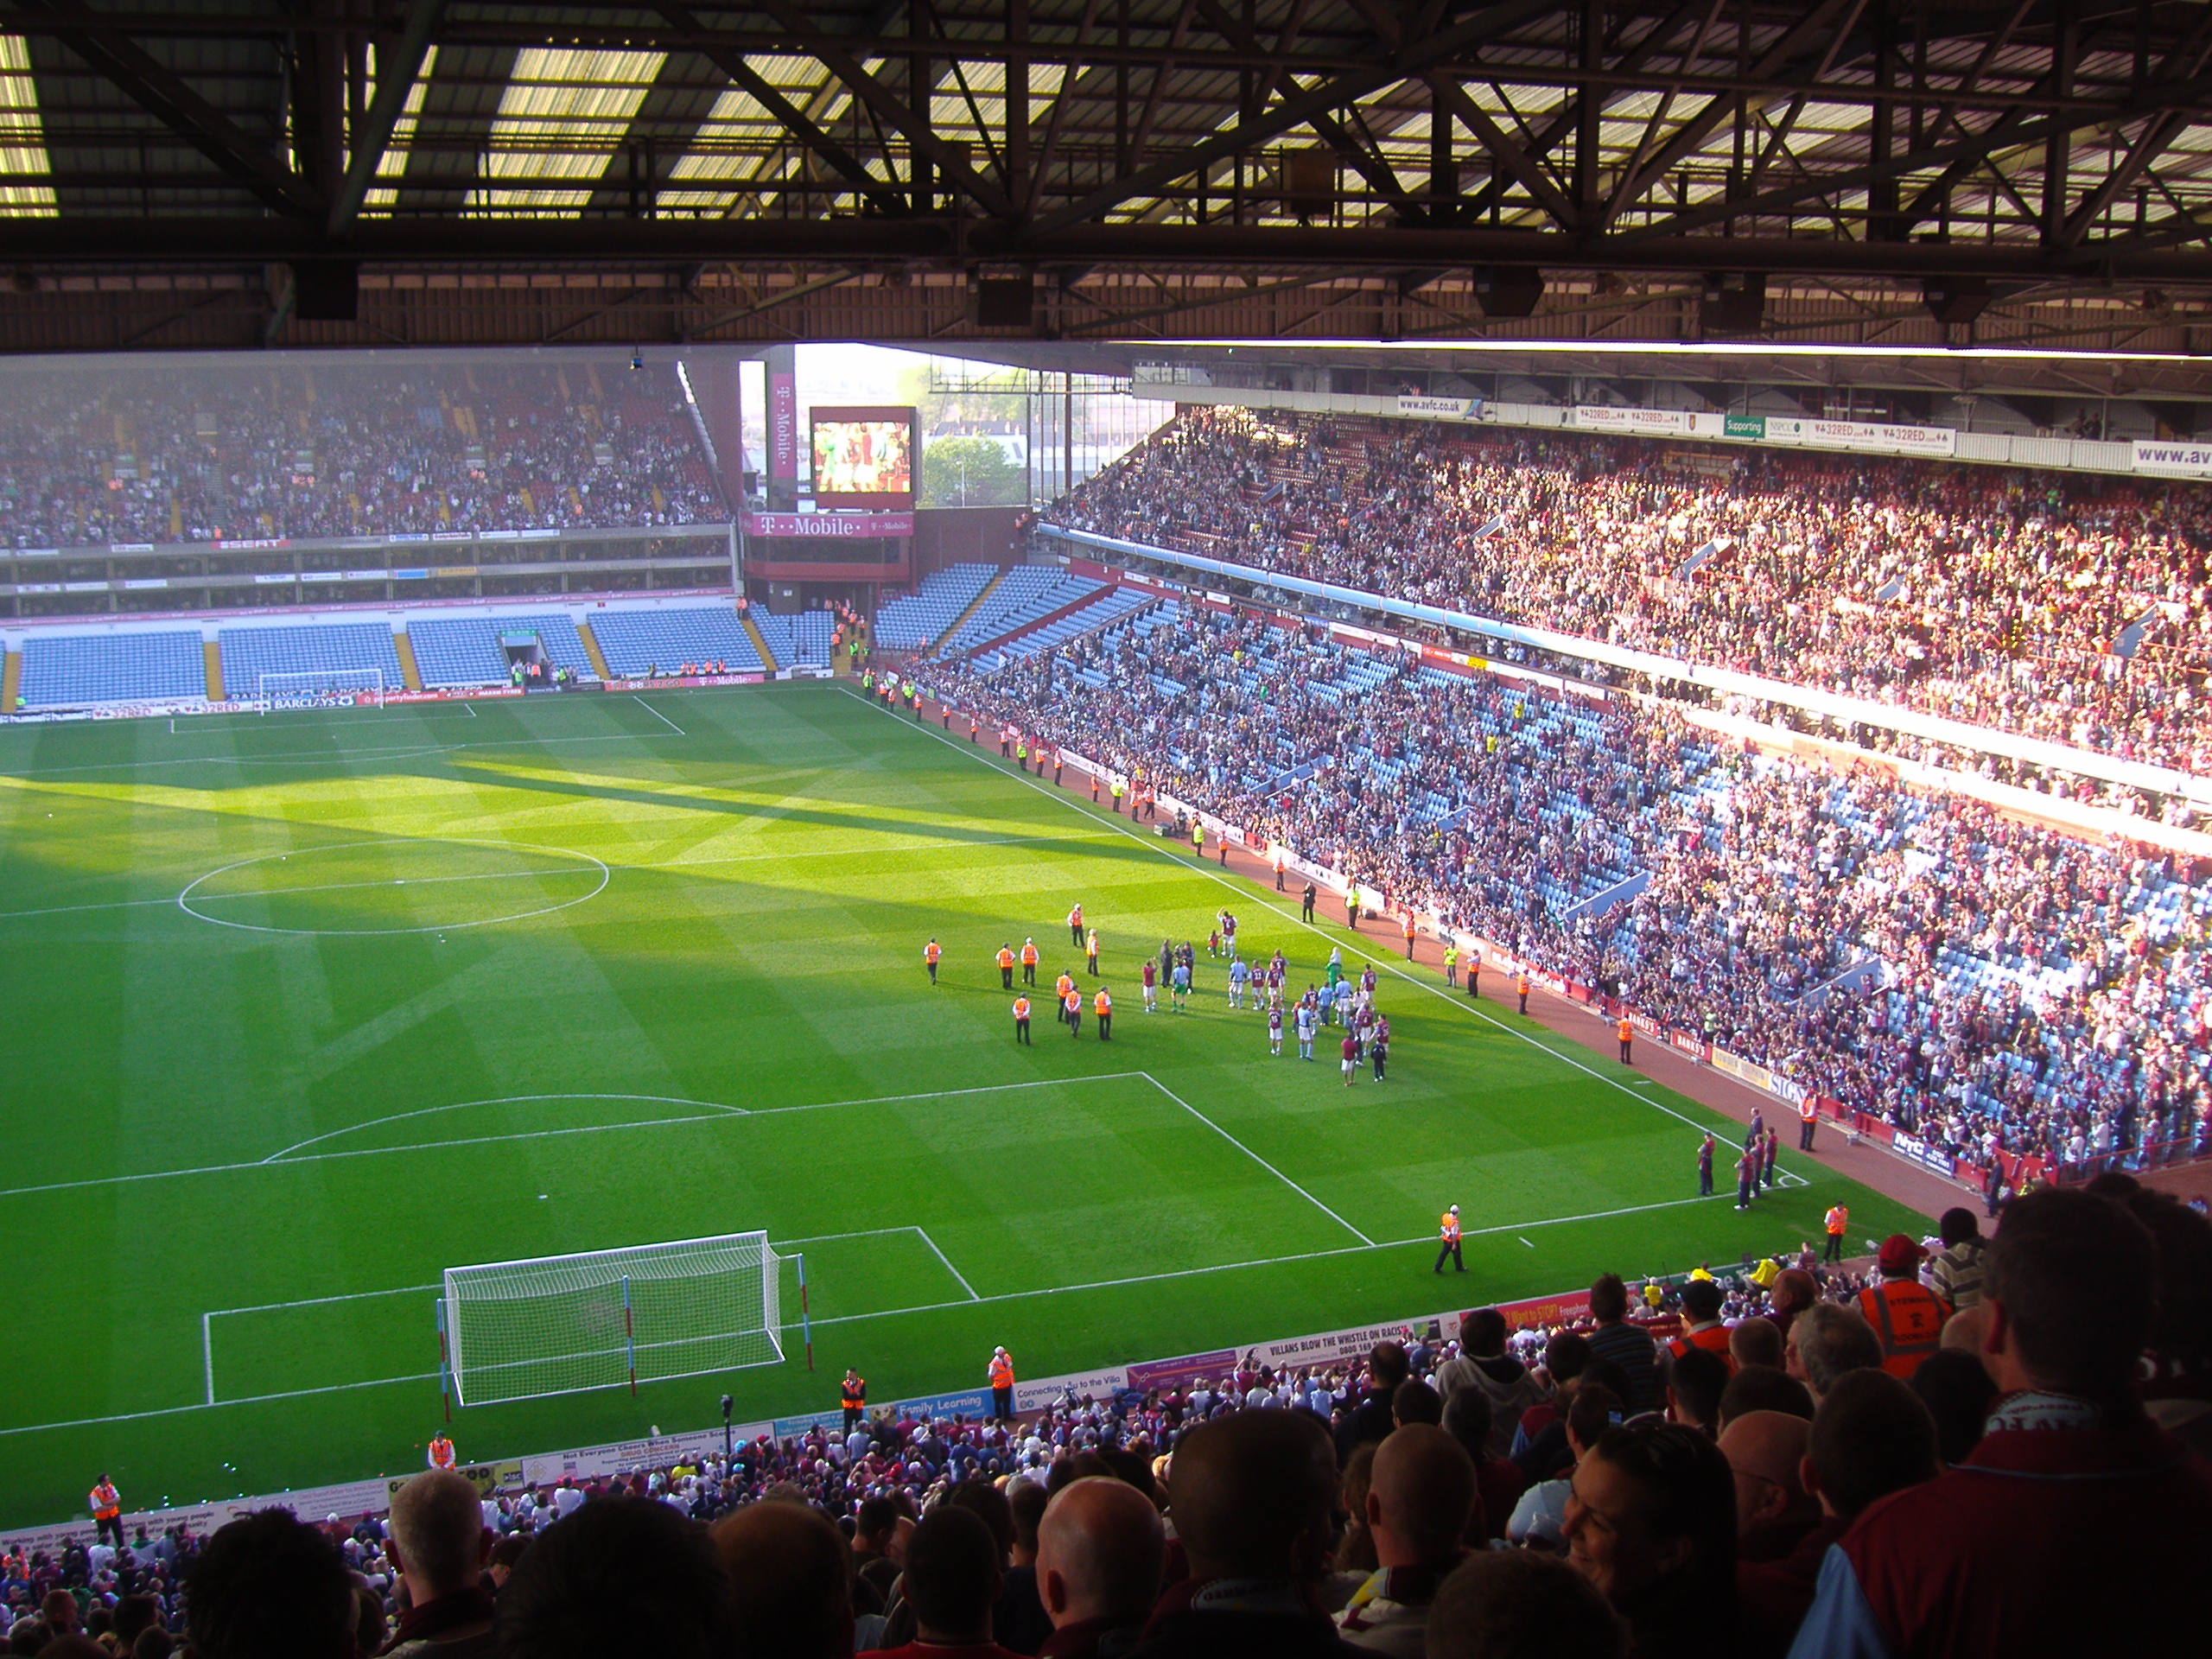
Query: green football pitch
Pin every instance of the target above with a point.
(302, 1009)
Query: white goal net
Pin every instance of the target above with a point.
(561, 1324)
(330, 688)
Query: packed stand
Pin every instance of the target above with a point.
(1937, 1457)
(296, 450)
(1980, 982)
(2075, 609)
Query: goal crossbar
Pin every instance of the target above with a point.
(537, 1325)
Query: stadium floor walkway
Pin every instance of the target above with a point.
(1892, 1175)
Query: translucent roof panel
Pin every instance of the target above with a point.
(22, 136)
(561, 117)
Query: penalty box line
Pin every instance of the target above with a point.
(207, 1320)
(886, 1314)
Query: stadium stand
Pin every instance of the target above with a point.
(319, 448)
(305, 648)
(921, 618)
(2016, 988)
(2065, 607)
(459, 651)
(637, 643)
(82, 670)
(1503, 1398)
(802, 640)
(1029, 592)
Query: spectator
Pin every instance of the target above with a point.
(1372, 1419)
(952, 1578)
(1249, 1499)
(1955, 1271)
(1483, 1363)
(620, 1574)
(1519, 1605)
(1764, 1388)
(2072, 1485)
(1754, 1341)
(1701, 1326)
(1773, 1510)
(1100, 1547)
(1695, 1382)
(1498, 1481)
(1539, 1519)
(269, 1586)
(1794, 1290)
(1018, 1620)
(1413, 1401)
(1419, 1506)
(790, 1573)
(440, 1545)
(1826, 1341)
(1652, 1524)
(2177, 1381)
(1871, 1438)
(1621, 1343)
(879, 1546)
(1355, 1553)
(1958, 1391)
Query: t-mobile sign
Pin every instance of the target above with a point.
(783, 426)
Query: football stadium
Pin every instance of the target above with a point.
(1104, 830)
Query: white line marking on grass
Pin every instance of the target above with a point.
(658, 715)
(585, 860)
(717, 1114)
(949, 1268)
(1423, 1241)
(1256, 1159)
(388, 750)
(715, 1108)
(321, 1302)
(1247, 890)
(207, 1342)
(1526, 1241)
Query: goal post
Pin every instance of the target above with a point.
(328, 687)
(600, 1318)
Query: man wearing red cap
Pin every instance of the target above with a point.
(1906, 1315)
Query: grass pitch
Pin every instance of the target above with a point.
(302, 1009)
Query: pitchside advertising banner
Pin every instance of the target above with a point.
(2173, 459)
(1440, 408)
(831, 526)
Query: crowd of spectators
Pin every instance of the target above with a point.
(1793, 1461)
(2075, 609)
(296, 450)
(1984, 983)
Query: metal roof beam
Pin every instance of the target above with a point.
(399, 60)
(891, 109)
(1410, 61)
(165, 96)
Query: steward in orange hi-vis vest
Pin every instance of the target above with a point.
(1001, 1380)
(1006, 967)
(1447, 1231)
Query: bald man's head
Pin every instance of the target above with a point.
(1251, 1495)
(437, 1525)
(1101, 1549)
(1764, 1449)
(792, 1572)
(1419, 1496)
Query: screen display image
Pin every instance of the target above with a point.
(864, 457)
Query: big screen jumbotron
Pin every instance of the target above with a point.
(863, 457)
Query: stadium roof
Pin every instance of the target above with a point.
(1833, 170)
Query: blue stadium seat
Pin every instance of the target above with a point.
(80, 671)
